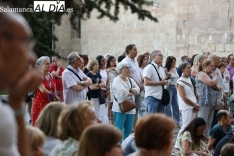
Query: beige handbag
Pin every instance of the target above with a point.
(219, 104)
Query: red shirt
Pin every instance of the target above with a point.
(59, 84)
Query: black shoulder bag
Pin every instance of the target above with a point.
(165, 93)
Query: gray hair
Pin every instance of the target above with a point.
(196, 60)
(71, 57)
(153, 53)
(41, 60)
(183, 65)
(121, 65)
(211, 57)
(204, 52)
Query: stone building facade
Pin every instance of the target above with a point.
(185, 27)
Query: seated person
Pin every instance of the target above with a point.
(220, 129)
(228, 138)
(129, 145)
(36, 140)
(228, 150)
(192, 139)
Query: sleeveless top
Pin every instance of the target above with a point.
(174, 78)
(207, 95)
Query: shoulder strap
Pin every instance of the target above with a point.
(75, 74)
(157, 73)
(130, 81)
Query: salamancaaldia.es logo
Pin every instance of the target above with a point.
(51, 6)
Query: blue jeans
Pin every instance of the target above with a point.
(154, 105)
(173, 105)
(124, 122)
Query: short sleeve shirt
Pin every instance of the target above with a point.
(150, 72)
(187, 136)
(70, 79)
(95, 79)
(186, 83)
(134, 69)
(218, 133)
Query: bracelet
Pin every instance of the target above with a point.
(19, 112)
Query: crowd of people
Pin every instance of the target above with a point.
(104, 108)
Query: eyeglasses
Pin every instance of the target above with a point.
(76, 59)
(159, 55)
(126, 67)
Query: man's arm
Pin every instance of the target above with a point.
(149, 82)
(210, 143)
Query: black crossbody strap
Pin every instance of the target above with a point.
(158, 74)
(130, 82)
(75, 74)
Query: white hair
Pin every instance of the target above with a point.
(71, 57)
(120, 66)
(40, 61)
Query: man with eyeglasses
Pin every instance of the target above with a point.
(75, 82)
(230, 68)
(15, 59)
(153, 83)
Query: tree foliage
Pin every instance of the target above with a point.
(41, 22)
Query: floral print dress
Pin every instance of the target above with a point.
(187, 136)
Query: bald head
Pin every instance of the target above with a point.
(15, 47)
(13, 22)
(222, 113)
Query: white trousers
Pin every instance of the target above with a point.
(101, 111)
(187, 116)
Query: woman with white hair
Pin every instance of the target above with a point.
(124, 88)
(46, 90)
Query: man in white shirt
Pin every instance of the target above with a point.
(15, 58)
(153, 85)
(135, 74)
(75, 82)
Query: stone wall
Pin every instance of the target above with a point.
(185, 27)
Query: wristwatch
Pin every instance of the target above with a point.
(82, 83)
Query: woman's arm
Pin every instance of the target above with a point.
(102, 84)
(207, 80)
(118, 86)
(184, 97)
(43, 89)
(135, 88)
(186, 149)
